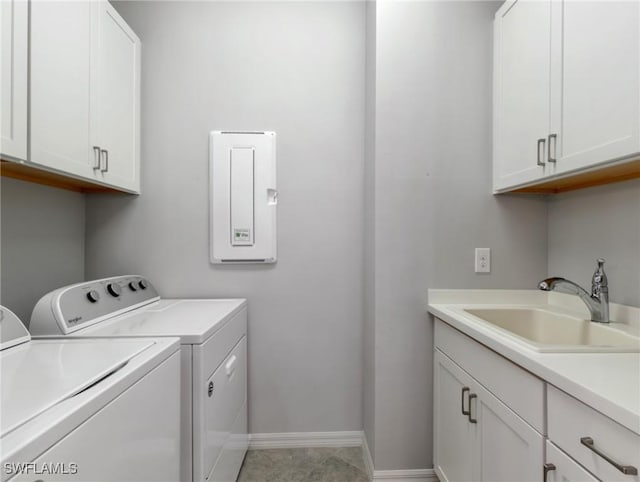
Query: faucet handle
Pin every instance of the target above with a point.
(599, 282)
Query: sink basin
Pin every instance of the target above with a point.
(554, 332)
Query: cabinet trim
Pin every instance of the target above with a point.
(595, 177)
(28, 173)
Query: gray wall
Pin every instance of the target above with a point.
(42, 242)
(297, 69)
(601, 222)
(433, 205)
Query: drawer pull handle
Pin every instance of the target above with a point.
(625, 469)
(541, 142)
(471, 397)
(96, 158)
(551, 158)
(106, 160)
(546, 468)
(464, 390)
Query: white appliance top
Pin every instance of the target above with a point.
(128, 306)
(40, 374)
(193, 321)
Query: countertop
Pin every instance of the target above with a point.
(608, 382)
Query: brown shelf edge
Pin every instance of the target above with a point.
(595, 177)
(28, 173)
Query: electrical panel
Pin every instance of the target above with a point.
(243, 197)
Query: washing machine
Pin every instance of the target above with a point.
(213, 354)
(88, 410)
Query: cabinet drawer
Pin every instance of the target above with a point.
(521, 391)
(570, 420)
(566, 469)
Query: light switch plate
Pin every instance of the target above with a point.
(483, 260)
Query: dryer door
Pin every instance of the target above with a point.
(225, 397)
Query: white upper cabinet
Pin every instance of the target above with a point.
(85, 93)
(118, 100)
(566, 89)
(63, 49)
(595, 65)
(14, 36)
(521, 91)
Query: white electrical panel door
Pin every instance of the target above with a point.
(243, 197)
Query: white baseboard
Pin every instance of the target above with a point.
(416, 475)
(366, 455)
(293, 440)
(413, 475)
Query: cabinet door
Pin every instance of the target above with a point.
(454, 434)
(14, 24)
(595, 67)
(566, 469)
(63, 48)
(522, 36)
(118, 106)
(507, 448)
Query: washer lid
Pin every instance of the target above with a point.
(192, 320)
(40, 374)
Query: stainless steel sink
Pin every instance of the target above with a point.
(547, 331)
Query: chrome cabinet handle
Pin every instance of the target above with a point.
(551, 158)
(546, 468)
(96, 158)
(106, 160)
(464, 412)
(625, 469)
(541, 142)
(471, 397)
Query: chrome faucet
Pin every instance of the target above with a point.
(597, 301)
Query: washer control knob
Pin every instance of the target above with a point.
(93, 296)
(114, 289)
(142, 284)
(133, 286)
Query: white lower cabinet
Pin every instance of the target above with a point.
(496, 422)
(477, 437)
(605, 448)
(562, 468)
(508, 449)
(454, 433)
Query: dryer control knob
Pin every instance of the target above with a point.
(114, 289)
(93, 296)
(142, 284)
(133, 286)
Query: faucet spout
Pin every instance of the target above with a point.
(597, 301)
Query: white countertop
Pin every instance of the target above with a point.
(608, 382)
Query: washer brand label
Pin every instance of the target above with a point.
(75, 320)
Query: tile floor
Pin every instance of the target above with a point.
(304, 465)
